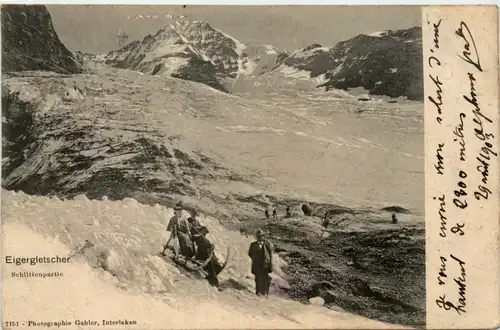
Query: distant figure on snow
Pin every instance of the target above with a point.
(275, 214)
(261, 253)
(267, 214)
(244, 231)
(325, 224)
(180, 229)
(288, 212)
(326, 221)
(394, 219)
(75, 87)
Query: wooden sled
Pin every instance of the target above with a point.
(191, 264)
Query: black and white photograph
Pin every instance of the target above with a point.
(210, 166)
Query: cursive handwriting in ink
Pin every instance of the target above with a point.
(436, 33)
(460, 281)
(466, 36)
(448, 305)
(483, 192)
(457, 229)
(439, 166)
(435, 60)
(459, 133)
(483, 168)
(478, 115)
(439, 95)
(459, 201)
(442, 272)
(442, 217)
(484, 157)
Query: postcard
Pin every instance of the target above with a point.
(249, 167)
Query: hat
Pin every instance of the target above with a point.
(178, 207)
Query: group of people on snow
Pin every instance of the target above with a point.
(275, 213)
(194, 245)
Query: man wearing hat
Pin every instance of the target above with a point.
(179, 227)
(261, 253)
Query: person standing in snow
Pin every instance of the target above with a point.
(261, 253)
(179, 227)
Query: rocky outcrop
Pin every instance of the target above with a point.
(385, 63)
(29, 42)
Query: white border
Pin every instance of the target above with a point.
(255, 2)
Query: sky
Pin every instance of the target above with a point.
(94, 28)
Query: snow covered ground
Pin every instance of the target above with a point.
(128, 281)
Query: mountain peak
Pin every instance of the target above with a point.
(186, 49)
(192, 27)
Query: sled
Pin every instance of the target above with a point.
(191, 264)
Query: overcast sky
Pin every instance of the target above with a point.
(93, 28)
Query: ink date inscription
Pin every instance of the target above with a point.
(482, 123)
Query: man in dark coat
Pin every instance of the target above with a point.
(261, 252)
(204, 250)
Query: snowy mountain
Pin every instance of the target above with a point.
(384, 63)
(191, 50)
(29, 41)
(109, 151)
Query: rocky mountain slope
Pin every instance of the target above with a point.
(385, 63)
(190, 50)
(29, 41)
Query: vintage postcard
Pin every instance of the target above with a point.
(252, 167)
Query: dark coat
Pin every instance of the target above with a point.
(261, 257)
(204, 247)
